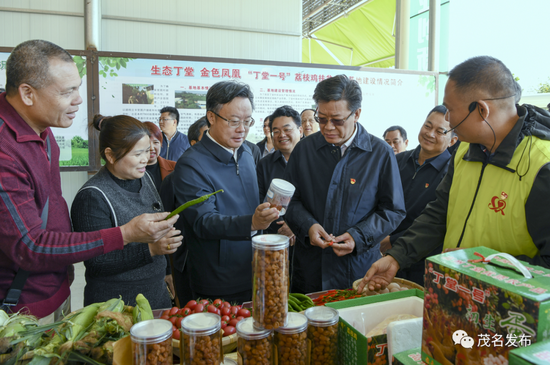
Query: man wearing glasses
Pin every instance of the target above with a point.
(174, 143)
(348, 193)
(286, 130)
(218, 231)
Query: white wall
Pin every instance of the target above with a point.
(243, 29)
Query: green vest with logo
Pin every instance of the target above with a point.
(497, 219)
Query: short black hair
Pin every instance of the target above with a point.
(397, 128)
(485, 73)
(29, 63)
(438, 109)
(224, 91)
(194, 131)
(173, 112)
(339, 87)
(305, 110)
(285, 111)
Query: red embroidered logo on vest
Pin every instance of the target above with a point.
(498, 204)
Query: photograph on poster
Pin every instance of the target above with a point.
(190, 99)
(138, 94)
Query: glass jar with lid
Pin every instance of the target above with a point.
(270, 282)
(201, 339)
(152, 342)
(291, 341)
(322, 331)
(254, 345)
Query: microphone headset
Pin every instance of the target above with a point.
(471, 108)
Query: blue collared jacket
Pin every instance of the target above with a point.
(359, 193)
(218, 231)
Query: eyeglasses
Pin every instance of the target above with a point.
(165, 119)
(236, 123)
(336, 122)
(286, 131)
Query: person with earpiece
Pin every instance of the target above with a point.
(495, 192)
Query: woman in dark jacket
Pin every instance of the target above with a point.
(120, 191)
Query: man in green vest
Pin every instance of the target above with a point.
(496, 191)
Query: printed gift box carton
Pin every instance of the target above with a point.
(476, 312)
(410, 357)
(538, 353)
(359, 316)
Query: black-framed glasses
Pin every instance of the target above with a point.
(236, 123)
(336, 122)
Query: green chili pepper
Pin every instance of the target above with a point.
(190, 203)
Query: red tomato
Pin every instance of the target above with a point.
(165, 316)
(199, 308)
(191, 304)
(239, 318)
(212, 309)
(234, 310)
(224, 324)
(243, 313)
(184, 312)
(174, 311)
(239, 306)
(228, 330)
(176, 335)
(226, 304)
(225, 311)
(226, 318)
(166, 312)
(174, 328)
(233, 322)
(217, 302)
(173, 320)
(178, 321)
(204, 302)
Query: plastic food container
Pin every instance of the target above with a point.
(291, 341)
(152, 342)
(270, 282)
(201, 339)
(322, 331)
(253, 344)
(279, 194)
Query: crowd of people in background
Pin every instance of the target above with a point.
(363, 206)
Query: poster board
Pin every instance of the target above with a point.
(390, 97)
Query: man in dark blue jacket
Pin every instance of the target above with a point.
(174, 143)
(218, 231)
(348, 193)
(422, 169)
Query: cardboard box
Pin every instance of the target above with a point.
(359, 316)
(410, 357)
(538, 353)
(475, 311)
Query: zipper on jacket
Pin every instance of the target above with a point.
(473, 202)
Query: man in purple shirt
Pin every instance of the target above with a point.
(42, 84)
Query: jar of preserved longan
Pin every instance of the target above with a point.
(152, 342)
(254, 345)
(201, 339)
(322, 331)
(291, 341)
(270, 283)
